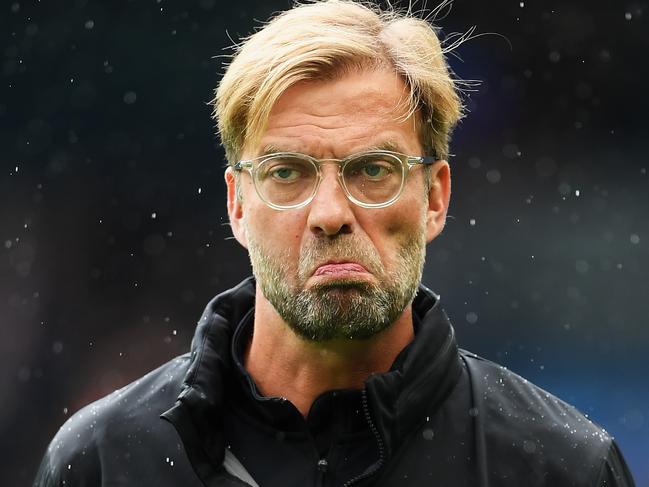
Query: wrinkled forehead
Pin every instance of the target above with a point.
(359, 110)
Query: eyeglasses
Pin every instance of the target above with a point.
(288, 180)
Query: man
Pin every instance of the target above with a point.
(334, 366)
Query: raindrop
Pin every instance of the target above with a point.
(510, 151)
(153, 215)
(57, 347)
(628, 16)
(428, 434)
(474, 162)
(89, 24)
(554, 56)
(634, 239)
(529, 446)
(472, 222)
(130, 97)
(472, 317)
(582, 266)
(493, 176)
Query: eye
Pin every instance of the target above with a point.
(284, 173)
(375, 170)
(371, 169)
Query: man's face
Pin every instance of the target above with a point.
(334, 270)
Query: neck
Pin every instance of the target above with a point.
(284, 364)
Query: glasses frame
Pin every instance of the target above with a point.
(407, 162)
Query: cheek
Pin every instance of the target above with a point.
(400, 226)
(276, 231)
(407, 218)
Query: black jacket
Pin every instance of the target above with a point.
(440, 417)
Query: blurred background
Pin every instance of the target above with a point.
(113, 230)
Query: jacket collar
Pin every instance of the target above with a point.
(422, 375)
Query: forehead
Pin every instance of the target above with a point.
(333, 118)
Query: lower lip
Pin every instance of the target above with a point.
(340, 270)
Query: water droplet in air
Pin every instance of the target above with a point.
(130, 97)
(493, 176)
(472, 317)
(582, 266)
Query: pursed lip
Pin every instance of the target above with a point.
(339, 267)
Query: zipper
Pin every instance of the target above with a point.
(322, 467)
(379, 441)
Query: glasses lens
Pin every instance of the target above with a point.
(286, 180)
(374, 178)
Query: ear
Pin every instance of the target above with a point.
(235, 208)
(438, 199)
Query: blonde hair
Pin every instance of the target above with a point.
(321, 40)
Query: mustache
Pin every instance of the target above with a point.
(349, 248)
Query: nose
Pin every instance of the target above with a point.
(330, 212)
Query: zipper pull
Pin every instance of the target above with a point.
(323, 465)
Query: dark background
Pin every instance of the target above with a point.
(113, 229)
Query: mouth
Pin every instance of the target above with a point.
(340, 269)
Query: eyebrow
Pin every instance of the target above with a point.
(383, 146)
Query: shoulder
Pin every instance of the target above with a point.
(536, 431)
(130, 414)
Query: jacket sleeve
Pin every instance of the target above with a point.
(614, 471)
(71, 460)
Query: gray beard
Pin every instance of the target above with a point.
(345, 309)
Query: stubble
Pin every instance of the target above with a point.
(352, 309)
